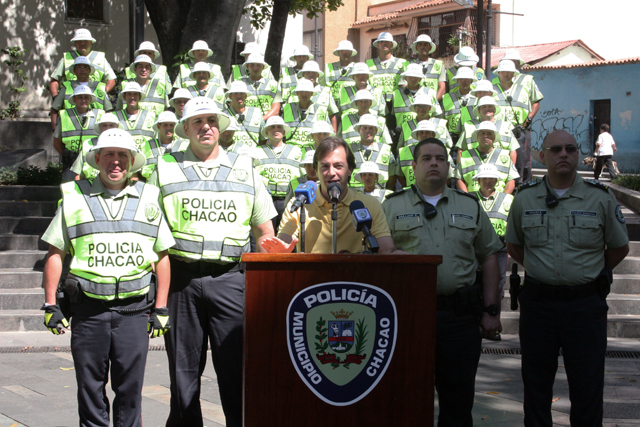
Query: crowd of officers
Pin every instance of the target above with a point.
(269, 131)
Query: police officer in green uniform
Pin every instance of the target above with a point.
(300, 115)
(431, 219)
(179, 100)
(229, 144)
(156, 96)
(363, 104)
(164, 142)
(486, 135)
(249, 119)
(360, 73)
(201, 84)
(569, 234)
(238, 72)
(322, 96)
(74, 127)
(199, 52)
(424, 107)
(366, 149)
(135, 120)
(289, 75)
(403, 97)
(368, 175)
(386, 68)
(458, 105)
(83, 42)
(264, 93)
(212, 200)
(160, 73)
(115, 232)
(82, 69)
(336, 74)
(435, 74)
(465, 58)
(81, 167)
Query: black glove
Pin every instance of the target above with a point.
(158, 322)
(54, 319)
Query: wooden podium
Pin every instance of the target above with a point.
(275, 393)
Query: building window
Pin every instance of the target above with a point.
(86, 10)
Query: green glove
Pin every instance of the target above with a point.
(54, 319)
(158, 322)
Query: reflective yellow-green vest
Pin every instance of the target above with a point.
(517, 109)
(250, 123)
(457, 111)
(300, 125)
(410, 126)
(96, 58)
(153, 149)
(470, 161)
(183, 79)
(263, 93)
(402, 100)
(431, 70)
(212, 92)
(279, 170)
(336, 77)
(451, 73)
(88, 172)
(156, 98)
(99, 89)
(288, 81)
(380, 154)
(111, 257)
(348, 93)
(141, 129)
(239, 72)
(209, 217)
(504, 129)
(499, 211)
(350, 134)
(73, 131)
(387, 76)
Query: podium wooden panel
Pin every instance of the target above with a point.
(274, 393)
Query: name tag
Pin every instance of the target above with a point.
(527, 213)
(463, 216)
(407, 216)
(584, 213)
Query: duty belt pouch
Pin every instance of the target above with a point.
(73, 290)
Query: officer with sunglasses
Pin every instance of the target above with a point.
(568, 233)
(430, 218)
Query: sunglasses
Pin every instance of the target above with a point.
(558, 148)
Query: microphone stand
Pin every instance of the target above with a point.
(334, 219)
(303, 219)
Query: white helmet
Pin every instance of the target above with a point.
(255, 58)
(200, 66)
(308, 158)
(465, 73)
(250, 48)
(483, 86)
(466, 57)
(366, 167)
(107, 118)
(117, 138)
(200, 45)
(311, 66)
(81, 60)
(299, 51)
(322, 127)
(345, 45)
(486, 100)
(181, 93)
(272, 121)
(305, 85)
(144, 46)
(385, 37)
(423, 99)
(82, 90)
(513, 55)
(487, 170)
(165, 117)
(144, 59)
(132, 87)
(486, 126)
(506, 66)
(413, 70)
(360, 68)
(82, 34)
(423, 38)
(367, 120)
(233, 125)
(199, 106)
(237, 86)
(363, 95)
(425, 126)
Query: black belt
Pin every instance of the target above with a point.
(464, 300)
(204, 268)
(278, 197)
(558, 292)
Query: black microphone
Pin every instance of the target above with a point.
(361, 219)
(334, 189)
(241, 118)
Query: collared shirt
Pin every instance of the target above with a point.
(319, 227)
(56, 234)
(461, 232)
(565, 244)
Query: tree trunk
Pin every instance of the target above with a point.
(169, 18)
(276, 35)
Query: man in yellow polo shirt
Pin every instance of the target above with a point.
(334, 162)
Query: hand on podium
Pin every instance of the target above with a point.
(274, 245)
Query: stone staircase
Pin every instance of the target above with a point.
(25, 213)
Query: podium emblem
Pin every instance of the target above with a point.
(341, 338)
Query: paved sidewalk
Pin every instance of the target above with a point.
(38, 389)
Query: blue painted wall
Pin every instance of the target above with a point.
(568, 104)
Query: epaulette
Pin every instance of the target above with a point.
(597, 184)
(529, 184)
(472, 195)
(396, 193)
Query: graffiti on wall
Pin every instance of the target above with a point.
(577, 124)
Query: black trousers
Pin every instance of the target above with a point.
(600, 162)
(204, 309)
(458, 348)
(523, 159)
(579, 327)
(104, 340)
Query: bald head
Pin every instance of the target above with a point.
(558, 137)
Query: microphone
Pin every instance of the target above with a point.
(334, 189)
(305, 193)
(361, 219)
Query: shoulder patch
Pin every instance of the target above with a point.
(471, 195)
(597, 184)
(529, 184)
(619, 215)
(396, 193)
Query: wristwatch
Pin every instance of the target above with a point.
(492, 309)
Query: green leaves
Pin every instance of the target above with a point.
(14, 61)
(260, 10)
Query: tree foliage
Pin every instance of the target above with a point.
(260, 10)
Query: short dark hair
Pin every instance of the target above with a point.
(605, 127)
(332, 143)
(416, 150)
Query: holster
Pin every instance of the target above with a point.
(604, 281)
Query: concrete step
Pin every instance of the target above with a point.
(30, 193)
(619, 304)
(21, 242)
(21, 299)
(20, 278)
(21, 320)
(620, 326)
(22, 259)
(27, 208)
(634, 249)
(24, 225)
